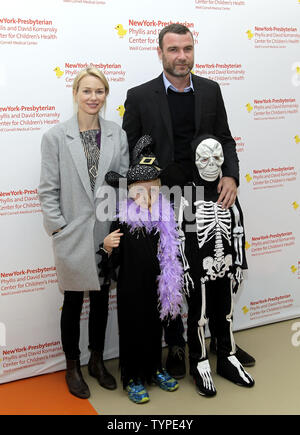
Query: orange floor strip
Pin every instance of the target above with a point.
(42, 395)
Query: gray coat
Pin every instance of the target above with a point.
(67, 199)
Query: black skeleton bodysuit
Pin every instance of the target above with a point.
(213, 251)
(215, 255)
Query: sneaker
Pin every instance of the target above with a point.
(137, 393)
(165, 381)
(230, 368)
(175, 363)
(203, 379)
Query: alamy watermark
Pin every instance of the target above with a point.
(296, 336)
(145, 197)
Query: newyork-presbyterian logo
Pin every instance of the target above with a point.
(271, 243)
(273, 36)
(248, 177)
(266, 109)
(295, 74)
(293, 268)
(21, 118)
(27, 281)
(218, 5)
(121, 110)
(26, 31)
(29, 355)
(143, 33)
(58, 72)
(271, 177)
(113, 71)
(249, 107)
(121, 32)
(225, 73)
(245, 309)
(270, 306)
(249, 34)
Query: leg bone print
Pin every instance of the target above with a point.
(188, 282)
(238, 233)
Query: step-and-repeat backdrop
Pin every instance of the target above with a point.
(251, 48)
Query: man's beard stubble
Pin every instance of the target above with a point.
(171, 70)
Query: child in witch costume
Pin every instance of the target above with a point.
(214, 258)
(144, 244)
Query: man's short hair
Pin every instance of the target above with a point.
(180, 29)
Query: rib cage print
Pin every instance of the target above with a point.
(214, 222)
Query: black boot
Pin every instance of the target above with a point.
(97, 370)
(75, 381)
(175, 363)
(244, 358)
(230, 368)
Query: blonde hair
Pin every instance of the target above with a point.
(95, 72)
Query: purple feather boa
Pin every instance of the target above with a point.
(161, 218)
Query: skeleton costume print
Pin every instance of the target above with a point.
(213, 258)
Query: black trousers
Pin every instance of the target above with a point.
(216, 304)
(70, 321)
(173, 332)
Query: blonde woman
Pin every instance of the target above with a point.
(76, 155)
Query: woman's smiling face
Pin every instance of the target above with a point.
(91, 95)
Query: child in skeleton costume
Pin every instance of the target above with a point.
(146, 249)
(214, 258)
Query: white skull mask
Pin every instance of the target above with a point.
(209, 159)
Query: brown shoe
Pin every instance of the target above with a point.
(97, 370)
(75, 381)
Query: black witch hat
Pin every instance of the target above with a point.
(144, 165)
